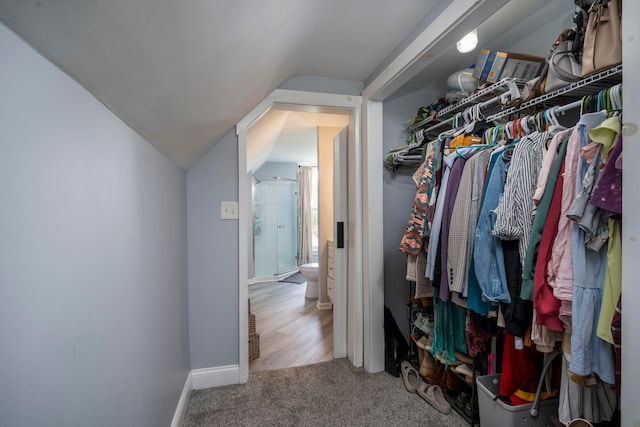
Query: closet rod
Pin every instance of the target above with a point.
(596, 81)
(567, 107)
(510, 83)
(512, 93)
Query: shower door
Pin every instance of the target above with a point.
(275, 227)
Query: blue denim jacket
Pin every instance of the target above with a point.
(487, 250)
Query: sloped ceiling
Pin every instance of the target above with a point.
(288, 136)
(183, 73)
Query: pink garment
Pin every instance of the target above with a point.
(549, 158)
(560, 266)
(589, 151)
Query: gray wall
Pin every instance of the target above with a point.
(280, 169)
(399, 191)
(213, 257)
(93, 270)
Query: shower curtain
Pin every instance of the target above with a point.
(304, 214)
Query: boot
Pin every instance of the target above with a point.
(428, 365)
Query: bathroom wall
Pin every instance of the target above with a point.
(269, 170)
(325, 209)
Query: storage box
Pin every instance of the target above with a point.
(494, 412)
(252, 324)
(481, 71)
(493, 66)
(254, 347)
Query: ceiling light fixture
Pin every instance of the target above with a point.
(468, 42)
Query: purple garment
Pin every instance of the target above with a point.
(607, 193)
(450, 199)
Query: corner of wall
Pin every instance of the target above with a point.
(181, 409)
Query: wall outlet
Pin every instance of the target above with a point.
(228, 210)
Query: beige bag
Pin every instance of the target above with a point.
(603, 37)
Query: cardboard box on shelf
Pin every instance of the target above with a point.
(494, 65)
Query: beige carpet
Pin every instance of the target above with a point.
(325, 394)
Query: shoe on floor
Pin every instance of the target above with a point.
(409, 376)
(434, 397)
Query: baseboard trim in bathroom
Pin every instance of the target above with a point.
(324, 305)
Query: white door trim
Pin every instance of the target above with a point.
(328, 100)
(373, 243)
(341, 253)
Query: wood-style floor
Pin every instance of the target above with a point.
(293, 332)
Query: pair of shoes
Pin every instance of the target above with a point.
(423, 323)
(444, 361)
(432, 394)
(461, 400)
(409, 376)
(466, 371)
(464, 357)
(425, 343)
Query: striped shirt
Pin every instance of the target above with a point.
(514, 214)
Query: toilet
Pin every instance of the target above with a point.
(310, 272)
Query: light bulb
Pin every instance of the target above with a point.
(468, 42)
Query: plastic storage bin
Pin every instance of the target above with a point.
(496, 413)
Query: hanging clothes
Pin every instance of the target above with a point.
(448, 203)
(590, 354)
(434, 237)
(413, 239)
(487, 253)
(546, 304)
(560, 267)
(463, 222)
(514, 213)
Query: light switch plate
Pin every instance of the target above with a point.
(228, 210)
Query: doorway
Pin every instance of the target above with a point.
(337, 104)
(293, 312)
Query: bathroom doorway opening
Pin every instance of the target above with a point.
(293, 318)
(348, 336)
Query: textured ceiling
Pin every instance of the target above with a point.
(183, 73)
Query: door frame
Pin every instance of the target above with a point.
(312, 102)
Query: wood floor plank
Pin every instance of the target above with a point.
(293, 332)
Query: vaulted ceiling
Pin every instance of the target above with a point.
(183, 73)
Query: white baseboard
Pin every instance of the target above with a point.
(324, 305)
(215, 377)
(181, 409)
(198, 379)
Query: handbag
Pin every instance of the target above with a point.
(563, 66)
(603, 37)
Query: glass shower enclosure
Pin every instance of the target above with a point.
(275, 227)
